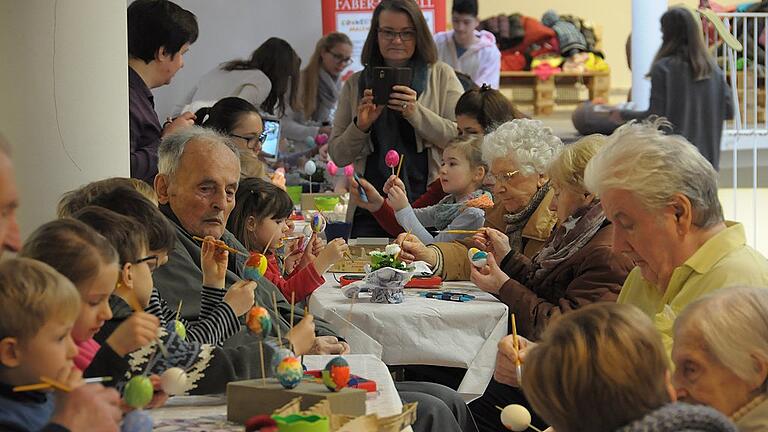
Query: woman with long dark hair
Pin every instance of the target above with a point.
(417, 120)
(687, 86)
(269, 79)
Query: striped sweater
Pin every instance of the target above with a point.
(216, 323)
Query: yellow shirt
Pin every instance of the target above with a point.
(723, 261)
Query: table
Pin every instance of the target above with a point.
(421, 331)
(209, 413)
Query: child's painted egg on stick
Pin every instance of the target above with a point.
(331, 168)
(178, 326)
(318, 223)
(516, 418)
(289, 372)
(349, 171)
(255, 266)
(392, 158)
(259, 321)
(174, 381)
(310, 167)
(138, 392)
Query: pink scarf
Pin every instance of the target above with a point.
(86, 351)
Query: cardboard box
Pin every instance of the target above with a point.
(246, 399)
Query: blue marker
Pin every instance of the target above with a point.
(360, 190)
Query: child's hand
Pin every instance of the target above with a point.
(72, 377)
(239, 296)
(135, 332)
(332, 253)
(397, 198)
(213, 261)
(393, 181)
(291, 260)
(302, 336)
(159, 397)
(311, 250)
(88, 408)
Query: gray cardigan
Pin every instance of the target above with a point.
(697, 109)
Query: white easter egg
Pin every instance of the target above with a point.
(515, 418)
(174, 381)
(392, 249)
(471, 252)
(310, 167)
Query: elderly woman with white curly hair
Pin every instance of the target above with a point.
(517, 153)
(661, 195)
(721, 355)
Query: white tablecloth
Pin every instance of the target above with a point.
(209, 413)
(421, 331)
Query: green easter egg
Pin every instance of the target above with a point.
(138, 392)
(181, 330)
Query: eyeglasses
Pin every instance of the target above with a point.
(405, 36)
(340, 59)
(250, 142)
(152, 262)
(503, 178)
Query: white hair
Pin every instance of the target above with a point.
(641, 159)
(732, 324)
(172, 146)
(531, 145)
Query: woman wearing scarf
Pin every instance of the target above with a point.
(418, 120)
(518, 153)
(576, 267)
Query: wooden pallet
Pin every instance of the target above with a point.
(545, 91)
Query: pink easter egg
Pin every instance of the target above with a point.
(349, 170)
(321, 139)
(331, 168)
(392, 158)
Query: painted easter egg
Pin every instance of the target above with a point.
(392, 158)
(471, 252)
(310, 141)
(138, 392)
(259, 321)
(255, 266)
(349, 170)
(515, 417)
(178, 326)
(318, 223)
(310, 167)
(277, 357)
(336, 374)
(137, 421)
(331, 168)
(174, 381)
(321, 139)
(479, 259)
(289, 372)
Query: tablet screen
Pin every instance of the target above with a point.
(271, 143)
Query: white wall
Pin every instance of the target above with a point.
(64, 103)
(233, 29)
